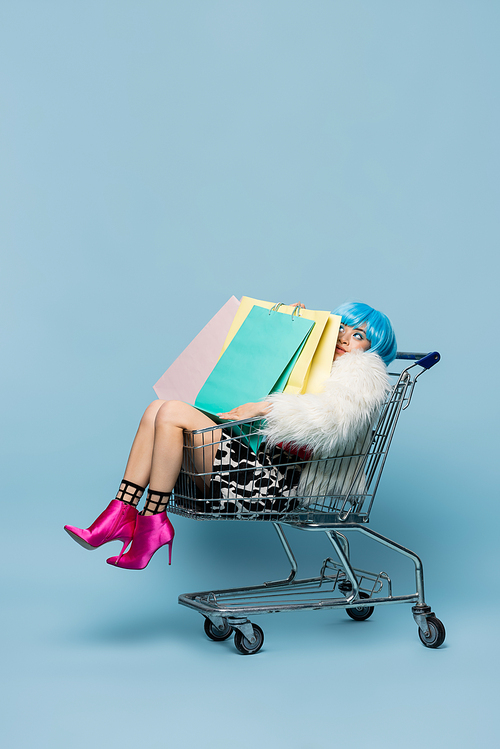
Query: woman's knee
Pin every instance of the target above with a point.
(151, 411)
(180, 414)
(172, 412)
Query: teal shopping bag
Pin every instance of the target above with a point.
(258, 361)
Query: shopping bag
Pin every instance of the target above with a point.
(259, 357)
(184, 379)
(322, 360)
(296, 381)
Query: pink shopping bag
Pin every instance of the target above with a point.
(184, 379)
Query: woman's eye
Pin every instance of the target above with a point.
(341, 329)
(358, 336)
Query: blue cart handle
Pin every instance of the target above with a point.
(429, 360)
(424, 360)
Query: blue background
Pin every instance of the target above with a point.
(158, 157)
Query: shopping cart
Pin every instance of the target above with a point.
(352, 479)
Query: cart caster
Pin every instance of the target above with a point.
(436, 633)
(360, 613)
(245, 646)
(216, 633)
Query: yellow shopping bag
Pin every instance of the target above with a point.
(311, 362)
(322, 360)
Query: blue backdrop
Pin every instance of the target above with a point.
(157, 157)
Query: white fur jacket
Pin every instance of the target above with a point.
(332, 421)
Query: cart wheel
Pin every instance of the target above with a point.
(244, 646)
(360, 613)
(212, 631)
(436, 635)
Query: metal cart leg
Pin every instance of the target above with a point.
(344, 542)
(419, 571)
(430, 629)
(341, 547)
(290, 555)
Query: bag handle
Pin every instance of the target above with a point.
(296, 309)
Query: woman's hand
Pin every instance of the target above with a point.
(246, 411)
(298, 304)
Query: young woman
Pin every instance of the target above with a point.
(320, 423)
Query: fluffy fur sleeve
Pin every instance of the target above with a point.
(334, 418)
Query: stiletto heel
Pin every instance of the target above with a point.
(116, 523)
(151, 533)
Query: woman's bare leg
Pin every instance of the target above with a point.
(172, 418)
(155, 458)
(138, 468)
(153, 529)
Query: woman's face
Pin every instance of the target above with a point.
(351, 339)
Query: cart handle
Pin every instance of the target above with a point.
(424, 360)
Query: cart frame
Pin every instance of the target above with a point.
(339, 584)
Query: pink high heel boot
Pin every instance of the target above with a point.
(117, 522)
(151, 533)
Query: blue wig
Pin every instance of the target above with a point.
(378, 327)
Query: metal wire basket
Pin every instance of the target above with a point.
(230, 473)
